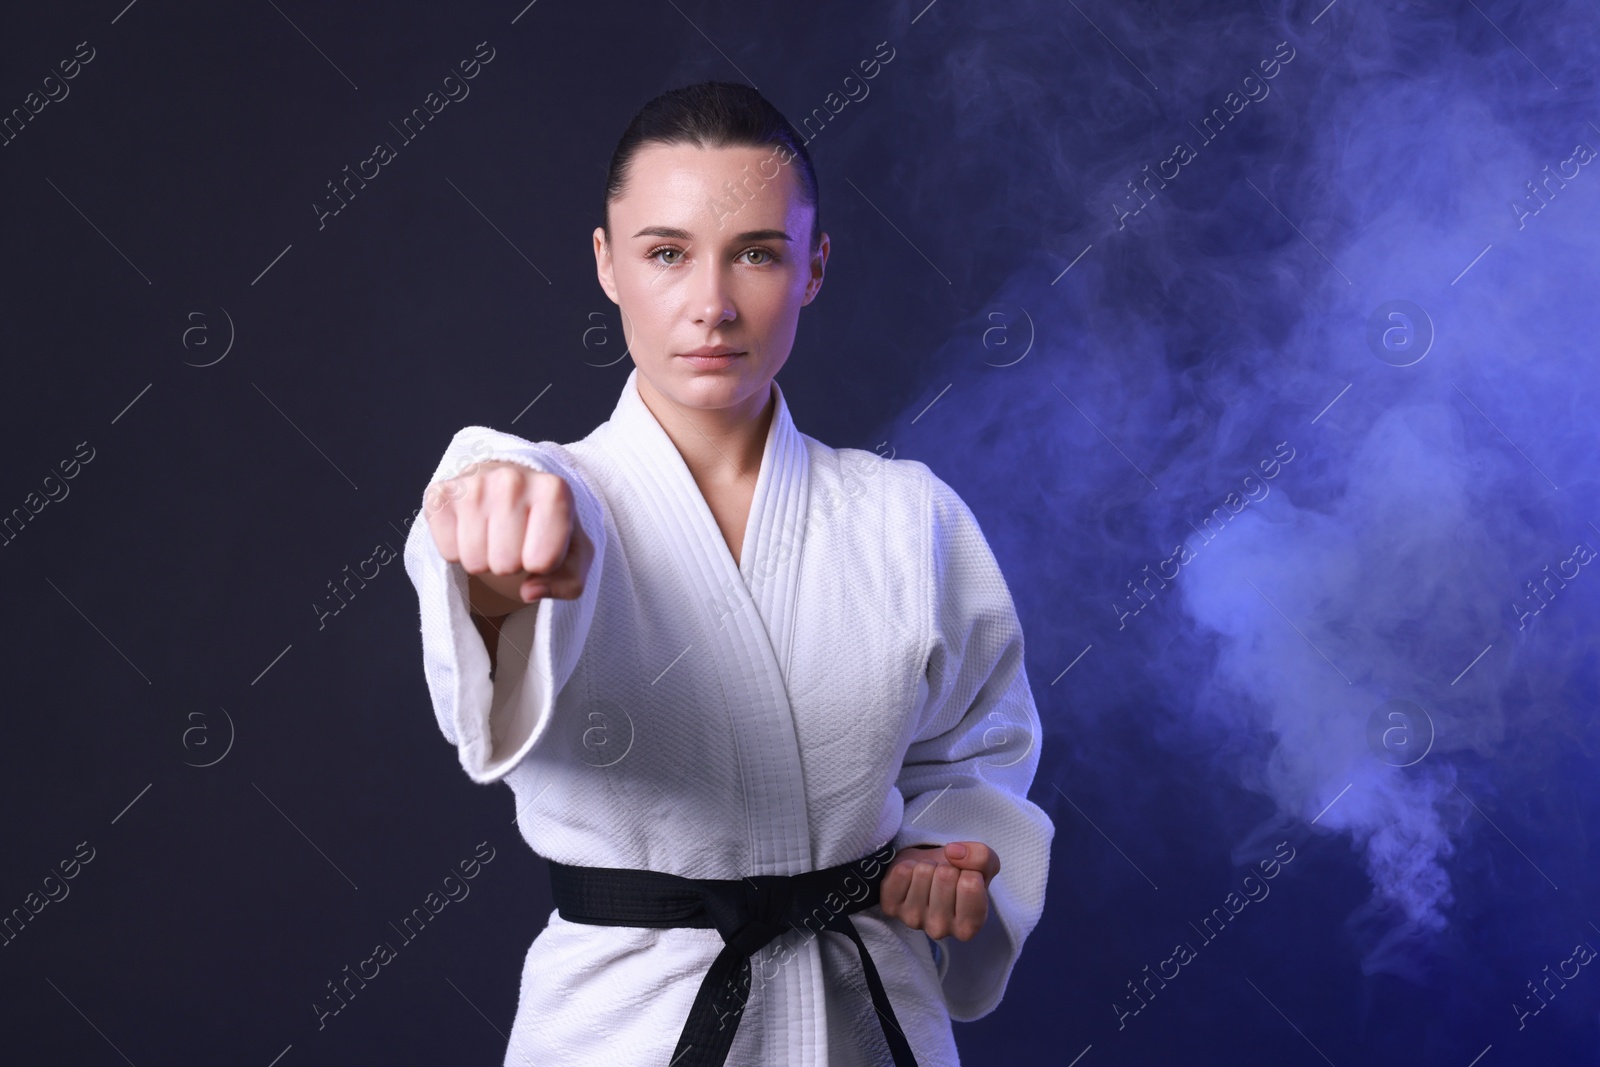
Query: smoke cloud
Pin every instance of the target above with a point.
(1366, 237)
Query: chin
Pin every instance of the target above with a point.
(712, 388)
(709, 388)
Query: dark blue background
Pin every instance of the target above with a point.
(1094, 381)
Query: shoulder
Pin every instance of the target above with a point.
(908, 489)
(852, 479)
(911, 502)
(955, 541)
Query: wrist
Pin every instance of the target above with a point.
(483, 599)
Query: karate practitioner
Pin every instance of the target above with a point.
(761, 701)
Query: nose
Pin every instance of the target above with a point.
(711, 298)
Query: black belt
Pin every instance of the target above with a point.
(749, 913)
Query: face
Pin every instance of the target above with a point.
(694, 266)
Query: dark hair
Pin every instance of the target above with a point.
(711, 115)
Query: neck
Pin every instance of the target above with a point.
(719, 445)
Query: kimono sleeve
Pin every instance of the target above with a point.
(545, 640)
(966, 773)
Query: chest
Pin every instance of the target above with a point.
(730, 506)
(749, 711)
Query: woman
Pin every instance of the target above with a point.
(707, 652)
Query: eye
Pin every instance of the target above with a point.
(660, 250)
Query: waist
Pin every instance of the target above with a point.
(749, 913)
(621, 896)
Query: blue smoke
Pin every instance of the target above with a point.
(1360, 236)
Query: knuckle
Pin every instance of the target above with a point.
(505, 480)
(543, 483)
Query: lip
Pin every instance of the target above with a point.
(711, 351)
(711, 357)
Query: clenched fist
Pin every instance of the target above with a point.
(514, 530)
(941, 891)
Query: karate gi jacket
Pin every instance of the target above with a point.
(856, 677)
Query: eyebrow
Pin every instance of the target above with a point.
(673, 233)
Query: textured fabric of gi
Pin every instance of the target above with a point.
(856, 677)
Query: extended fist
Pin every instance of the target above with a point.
(514, 530)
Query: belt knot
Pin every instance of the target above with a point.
(751, 912)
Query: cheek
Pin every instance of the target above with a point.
(776, 305)
(787, 309)
(775, 315)
(646, 302)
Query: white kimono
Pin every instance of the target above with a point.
(857, 677)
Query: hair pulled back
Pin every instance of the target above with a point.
(711, 114)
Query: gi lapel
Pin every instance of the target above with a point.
(769, 560)
(747, 610)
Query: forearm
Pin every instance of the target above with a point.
(510, 718)
(491, 607)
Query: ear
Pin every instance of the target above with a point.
(819, 261)
(603, 266)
